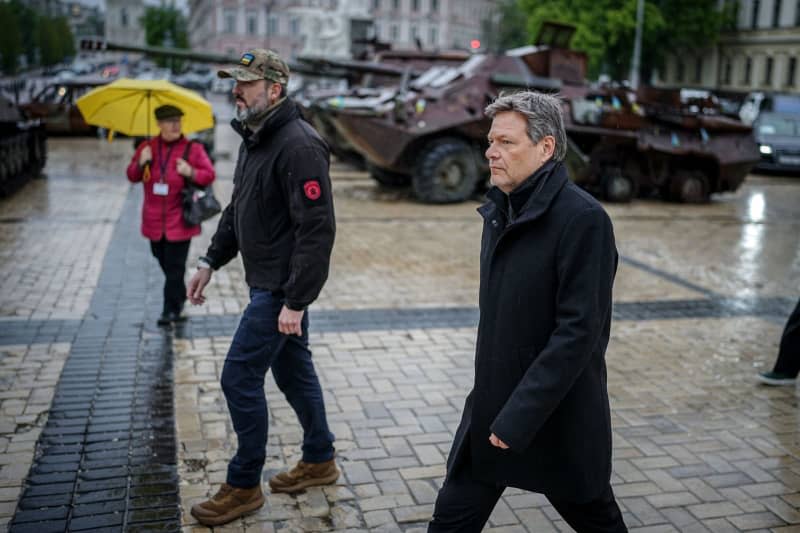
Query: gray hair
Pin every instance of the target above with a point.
(543, 113)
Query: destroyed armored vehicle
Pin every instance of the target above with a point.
(624, 144)
(23, 147)
(429, 130)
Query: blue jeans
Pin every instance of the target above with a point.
(257, 346)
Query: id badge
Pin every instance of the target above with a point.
(160, 189)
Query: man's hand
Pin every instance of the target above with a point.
(290, 322)
(196, 285)
(145, 156)
(184, 168)
(497, 443)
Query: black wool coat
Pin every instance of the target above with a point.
(545, 314)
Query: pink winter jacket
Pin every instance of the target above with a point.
(162, 215)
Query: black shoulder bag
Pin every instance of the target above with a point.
(199, 203)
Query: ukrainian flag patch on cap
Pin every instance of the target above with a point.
(247, 59)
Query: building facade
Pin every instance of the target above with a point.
(295, 27)
(434, 24)
(122, 22)
(762, 54)
(85, 21)
(232, 26)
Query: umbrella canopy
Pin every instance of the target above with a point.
(127, 106)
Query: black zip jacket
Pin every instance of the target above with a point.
(281, 212)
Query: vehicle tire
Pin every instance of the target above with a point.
(689, 187)
(446, 172)
(619, 188)
(387, 178)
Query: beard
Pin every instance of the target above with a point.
(244, 114)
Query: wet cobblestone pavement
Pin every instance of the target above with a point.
(110, 424)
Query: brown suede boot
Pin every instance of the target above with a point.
(229, 503)
(305, 475)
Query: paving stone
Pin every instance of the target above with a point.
(756, 521)
(344, 516)
(672, 499)
(714, 510)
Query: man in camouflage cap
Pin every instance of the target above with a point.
(258, 64)
(281, 220)
(254, 66)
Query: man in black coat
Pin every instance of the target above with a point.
(538, 415)
(281, 220)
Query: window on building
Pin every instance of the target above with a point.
(797, 14)
(726, 77)
(230, 21)
(294, 26)
(433, 36)
(395, 4)
(434, 6)
(376, 4)
(776, 13)
(376, 29)
(768, 71)
(415, 5)
(123, 17)
(394, 32)
(748, 69)
(414, 32)
(790, 71)
(272, 25)
(252, 23)
(754, 14)
(680, 71)
(698, 70)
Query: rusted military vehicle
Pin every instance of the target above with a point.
(429, 130)
(23, 147)
(364, 78)
(624, 144)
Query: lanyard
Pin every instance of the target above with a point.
(162, 165)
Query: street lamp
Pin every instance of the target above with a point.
(637, 46)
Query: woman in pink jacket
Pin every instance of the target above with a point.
(164, 164)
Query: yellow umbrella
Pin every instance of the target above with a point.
(127, 106)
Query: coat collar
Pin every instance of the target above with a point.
(285, 112)
(542, 186)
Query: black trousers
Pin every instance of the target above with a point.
(789, 353)
(172, 259)
(464, 505)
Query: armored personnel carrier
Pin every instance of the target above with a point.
(429, 131)
(23, 147)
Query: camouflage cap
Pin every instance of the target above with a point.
(258, 64)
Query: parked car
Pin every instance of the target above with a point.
(55, 105)
(778, 138)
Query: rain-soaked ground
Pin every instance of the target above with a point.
(109, 422)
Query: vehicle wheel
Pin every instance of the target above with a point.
(619, 188)
(446, 172)
(387, 178)
(690, 187)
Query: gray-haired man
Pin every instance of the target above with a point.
(538, 415)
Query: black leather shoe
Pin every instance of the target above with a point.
(164, 319)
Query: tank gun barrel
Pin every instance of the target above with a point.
(311, 69)
(101, 45)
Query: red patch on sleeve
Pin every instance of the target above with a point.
(312, 189)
